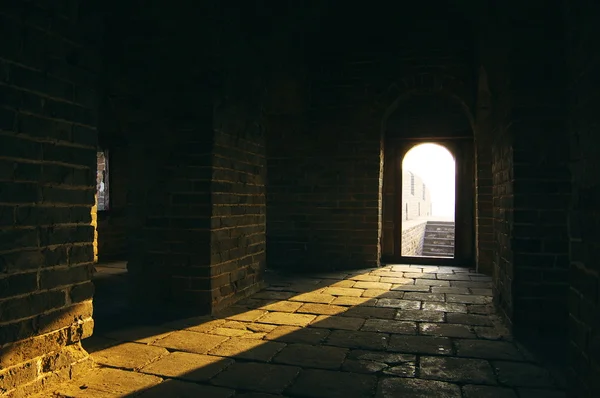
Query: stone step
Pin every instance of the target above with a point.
(438, 228)
(439, 235)
(436, 255)
(429, 240)
(432, 247)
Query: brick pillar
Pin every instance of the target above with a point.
(530, 173)
(48, 144)
(541, 183)
(584, 215)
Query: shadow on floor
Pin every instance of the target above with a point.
(395, 331)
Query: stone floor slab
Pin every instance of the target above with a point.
(397, 280)
(207, 326)
(181, 389)
(517, 374)
(313, 298)
(446, 330)
(459, 370)
(396, 387)
(469, 319)
(390, 358)
(468, 299)
(362, 366)
(420, 275)
(446, 307)
(345, 283)
(398, 304)
(310, 356)
(381, 294)
(108, 382)
(354, 339)
(365, 278)
(247, 316)
(420, 316)
(183, 340)
(389, 326)
(272, 295)
(418, 296)
(289, 319)
(128, 355)
(282, 306)
(321, 309)
(344, 291)
(255, 350)
(330, 384)
(373, 285)
(188, 366)
(488, 349)
(450, 290)
(354, 301)
(410, 288)
(337, 322)
(473, 391)
(420, 345)
(403, 370)
(295, 334)
(260, 377)
(370, 312)
(540, 393)
(140, 334)
(432, 282)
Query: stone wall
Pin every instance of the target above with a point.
(412, 198)
(584, 216)
(47, 184)
(413, 233)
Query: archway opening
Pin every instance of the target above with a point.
(428, 202)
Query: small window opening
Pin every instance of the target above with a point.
(102, 180)
(412, 184)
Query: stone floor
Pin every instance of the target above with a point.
(396, 331)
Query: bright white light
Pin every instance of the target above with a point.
(435, 165)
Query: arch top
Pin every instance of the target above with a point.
(417, 85)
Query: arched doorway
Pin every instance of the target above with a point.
(428, 197)
(441, 121)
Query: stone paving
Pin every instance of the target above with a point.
(396, 331)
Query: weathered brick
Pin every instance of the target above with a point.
(11, 239)
(18, 192)
(50, 279)
(13, 285)
(82, 292)
(22, 307)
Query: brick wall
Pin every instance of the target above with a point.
(484, 223)
(584, 217)
(412, 198)
(324, 194)
(47, 184)
(413, 233)
(496, 131)
(238, 223)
